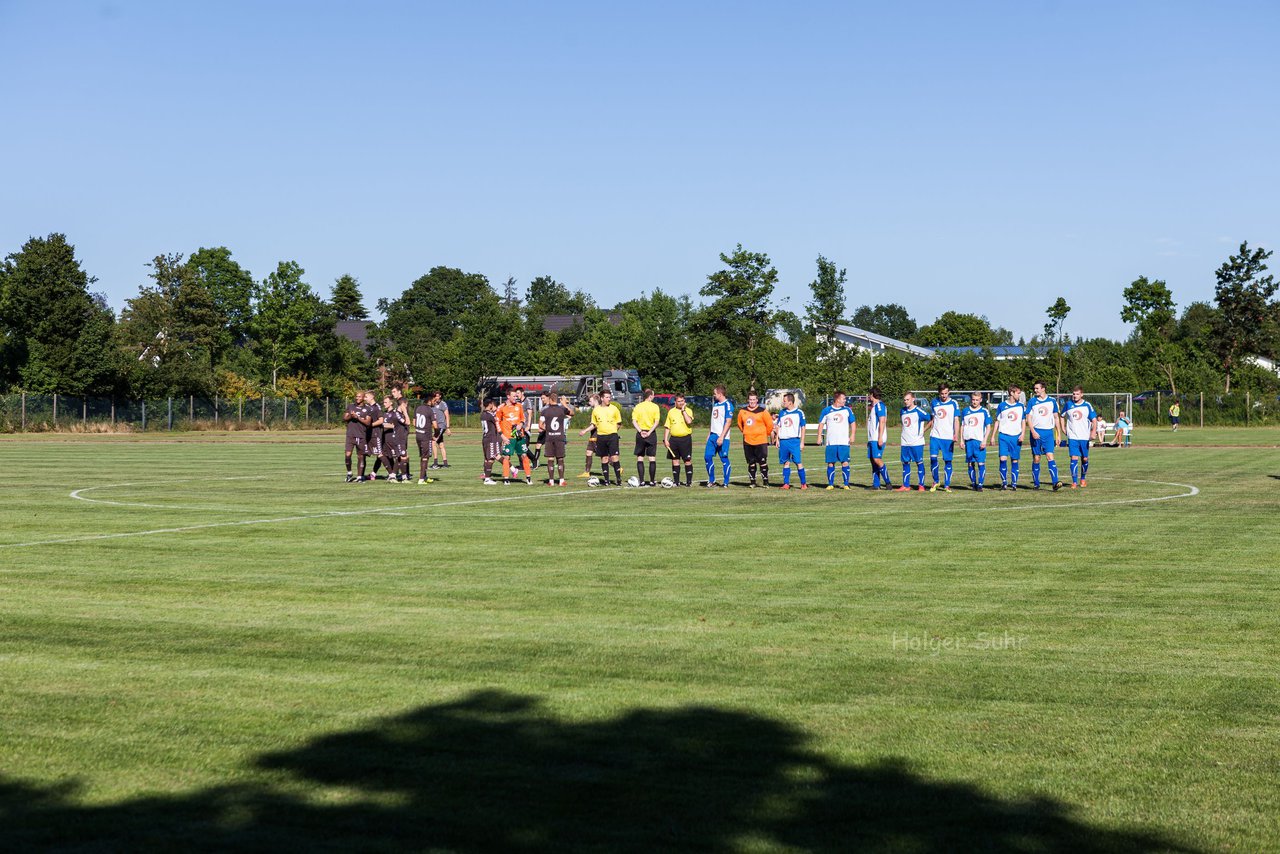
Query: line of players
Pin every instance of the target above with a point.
(381, 432)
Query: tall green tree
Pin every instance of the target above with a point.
(288, 322)
(171, 332)
(891, 321)
(57, 333)
(741, 312)
(958, 329)
(1245, 312)
(346, 301)
(824, 313)
(1053, 331)
(231, 287)
(1149, 305)
(431, 308)
(547, 296)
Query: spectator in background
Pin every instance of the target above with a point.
(1124, 427)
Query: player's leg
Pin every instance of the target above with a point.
(617, 466)
(784, 459)
(1053, 470)
(527, 465)
(725, 463)
(933, 460)
(591, 444)
(844, 473)
(920, 468)
(982, 469)
(653, 467)
(1035, 470)
(709, 457)
(764, 464)
(1013, 469)
(749, 455)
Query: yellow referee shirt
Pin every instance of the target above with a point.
(606, 419)
(675, 422)
(646, 415)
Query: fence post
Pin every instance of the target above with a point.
(113, 412)
(144, 416)
(1248, 405)
(215, 409)
(191, 409)
(240, 412)
(264, 410)
(1159, 407)
(326, 410)
(170, 414)
(1202, 409)
(55, 410)
(84, 412)
(466, 411)
(24, 411)
(306, 412)
(286, 412)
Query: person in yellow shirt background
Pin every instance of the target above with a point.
(678, 440)
(645, 417)
(757, 427)
(1175, 412)
(606, 419)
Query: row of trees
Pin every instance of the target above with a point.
(203, 325)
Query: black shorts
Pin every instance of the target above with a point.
(757, 455)
(536, 440)
(373, 447)
(424, 444)
(393, 448)
(492, 449)
(607, 446)
(355, 443)
(553, 447)
(647, 447)
(439, 436)
(681, 448)
(591, 443)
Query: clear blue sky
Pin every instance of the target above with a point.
(984, 157)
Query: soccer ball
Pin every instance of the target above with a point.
(668, 483)
(633, 481)
(593, 481)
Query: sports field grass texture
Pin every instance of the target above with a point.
(213, 642)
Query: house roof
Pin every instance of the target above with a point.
(354, 330)
(561, 322)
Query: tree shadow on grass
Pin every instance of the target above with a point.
(497, 772)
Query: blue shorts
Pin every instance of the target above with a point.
(1078, 447)
(874, 451)
(912, 453)
(712, 450)
(789, 451)
(941, 448)
(1009, 446)
(837, 453)
(1041, 442)
(974, 452)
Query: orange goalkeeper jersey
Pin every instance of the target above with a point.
(508, 416)
(756, 425)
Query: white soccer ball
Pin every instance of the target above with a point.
(668, 483)
(593, 481)
(633, 481)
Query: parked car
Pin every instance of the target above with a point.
(1144, 396)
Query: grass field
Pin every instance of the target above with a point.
(212, 642)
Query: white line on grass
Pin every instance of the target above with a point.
(182, 529)
(78, 494)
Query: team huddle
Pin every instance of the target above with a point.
(381, 433)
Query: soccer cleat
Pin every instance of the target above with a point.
(830, 486)
(350, 478)
(488, 481)
(884, 487)
(844, 486)
(1035, 486)
(564, 482)
(751, 485)
(903, 488)
(444, 465)
(1083, 483)
(786, 486)
(946, 489)
(710, 485)
(1057, 484)
(920, 488)
(1073, 486)
(766, 483)
(977, 487)
(1013, 487)
(804, 486)
(585, 474)
(528, 481)
(933, 488)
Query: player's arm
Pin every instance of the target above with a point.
(853, 431)
(666, 437)
(883, 430)
(956, 429)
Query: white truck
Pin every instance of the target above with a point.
(624, 383)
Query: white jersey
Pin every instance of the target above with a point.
(790, 424)
(1041, 412)
(835, 423)
(913, 421)
(1079, 418)
(720, 414)
(1009, 418)
(944, 414)
(974, 424)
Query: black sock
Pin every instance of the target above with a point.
(751, 470)
(653, 470)
(348, 465)
(764, 472)
(640, 470)
(688, 474)
(617, 470)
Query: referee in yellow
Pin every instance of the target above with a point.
(678, 439)
(645, 418)
(606, 419)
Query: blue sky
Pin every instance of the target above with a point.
(984, 157)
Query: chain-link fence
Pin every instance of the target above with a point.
(38, 412)
(1244, 409)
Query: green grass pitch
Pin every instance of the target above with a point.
(212, 642)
